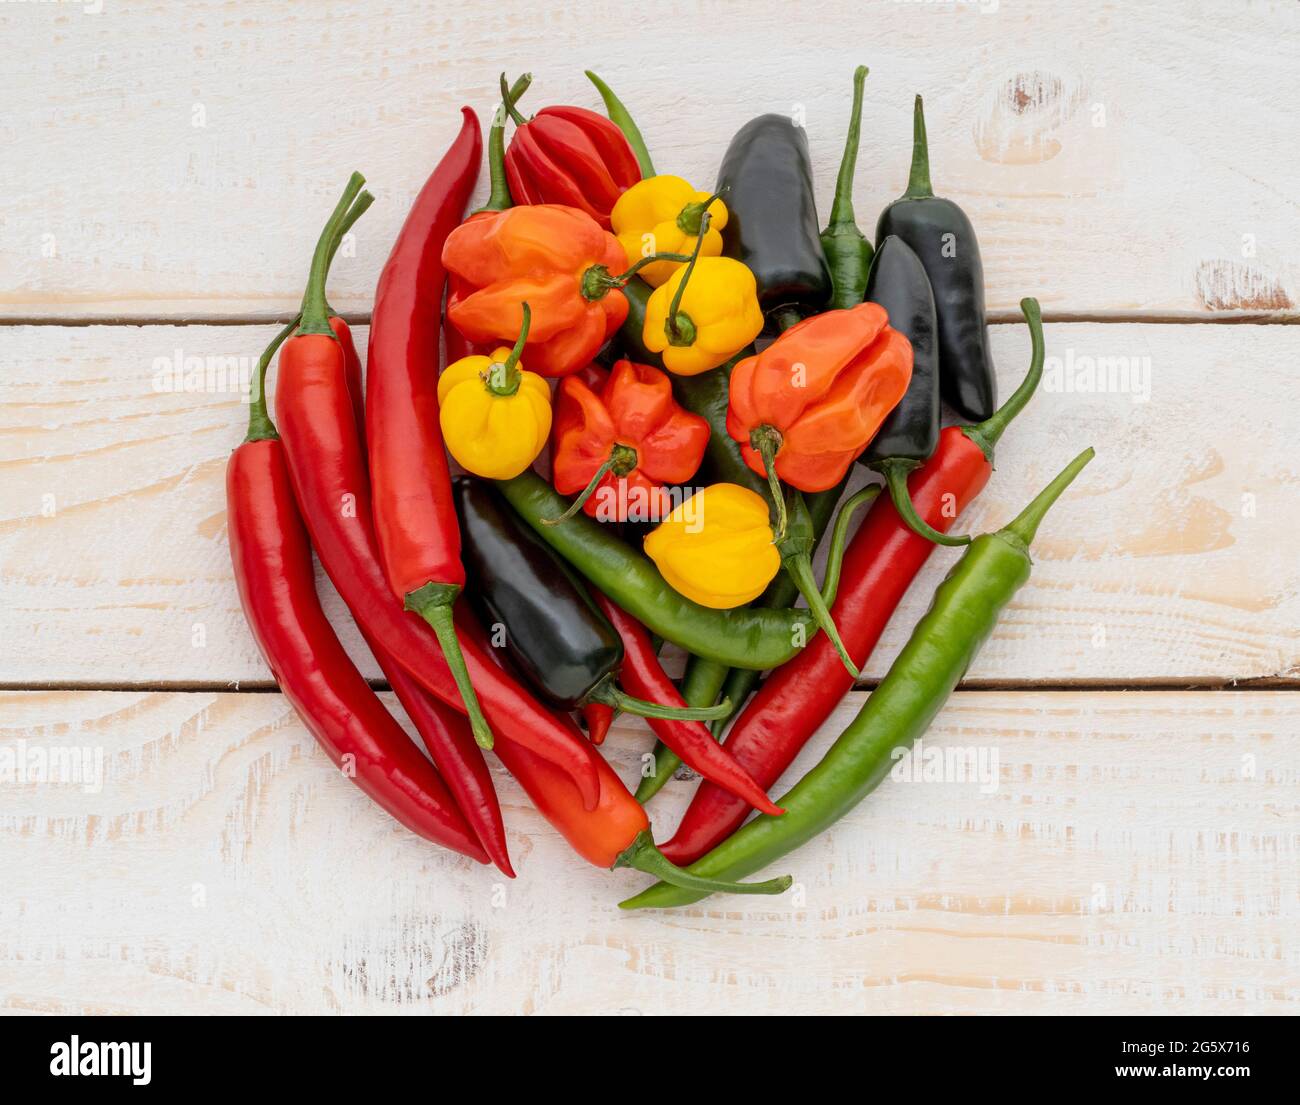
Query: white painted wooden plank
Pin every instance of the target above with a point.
(1173, 558)
(177, 159)
(1138, 855)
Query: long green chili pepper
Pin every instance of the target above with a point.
(945, 642)
(848, 251)
(622, 118)
(739, 638)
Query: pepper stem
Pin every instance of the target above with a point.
(508, 103)
(1024, 526)
(622, 118)
(607, 693)
(918, 180)
(642, 855)
(671, 325)
(986, 434)
(596, 281)
(621, 460)
(799, 568)
(895, 470)
(260, 426)
(499, 197)
(503, 377)
(842, 206)
(434, 602)
(767, 440)
(358, 208)
(315, 308)
(839, 539)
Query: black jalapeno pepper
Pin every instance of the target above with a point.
(942, 237)
(555, 633)
(908, 437)
(766, 182)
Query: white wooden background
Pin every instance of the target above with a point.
(1133, 165)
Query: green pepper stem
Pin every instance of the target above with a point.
(986, 434)
(767, 441)
(359, 207)
(1024, 526)
(785, 317)
(621, 460)
(842, 206)
(642, 855)
(670, 323)
(918, 180)
(499, 197)
(434, 602)
(315, 309)
(503, 378)
(596, 281)
(622, 118)
(839, 539)
(508, 103)
(260, 426)
(609, 694)
(895, 471)
(799, 568)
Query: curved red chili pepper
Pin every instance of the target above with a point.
(415, 522)
(881, 561)
(599, 718)
(642, 676)
(328, 470)
(277, 588)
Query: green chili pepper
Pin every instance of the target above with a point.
(848, 251)
(739, 638)
(945, 642)
(622, 118)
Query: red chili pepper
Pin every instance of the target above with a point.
(882, 560)
(643, 676)
(328, 469)
(568, 155)
(277, 588)
(447, 736)
(617, 448)
(419, 538)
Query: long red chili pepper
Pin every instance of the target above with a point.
(415, 520)
(643, 676)
(328, 469)
(882, 560)
(276, 579)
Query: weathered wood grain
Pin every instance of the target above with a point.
(1138, 855)
(1173, 558)
(169, 160)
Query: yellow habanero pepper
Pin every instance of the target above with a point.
(495, 417)
(662, 214)
(703, 315)
(716, 548)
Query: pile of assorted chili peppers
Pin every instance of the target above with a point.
(656, 394)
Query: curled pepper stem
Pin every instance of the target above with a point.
(260, 426)
(315, 308)
(1024, 527)
(986, 433)
(622, 118)
(434, 602)
(499, 197)
(607, 693)
(767, 441)
(842, 206)
(508, 103)
(596, 281)
(503, 378)
(681, 330)
(642, 855)
(621, 460)
(839, 540)
(918, 180)
(895, 471)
